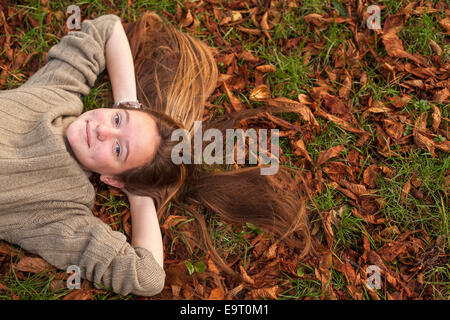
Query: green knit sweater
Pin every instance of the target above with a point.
(46, 198)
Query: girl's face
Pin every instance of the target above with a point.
(110, 141)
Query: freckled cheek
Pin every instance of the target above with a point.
(102, 155)
(100, 116)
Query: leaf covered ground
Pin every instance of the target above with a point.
(368, 136)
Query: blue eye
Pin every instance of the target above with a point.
(118, 119)
(117, 150)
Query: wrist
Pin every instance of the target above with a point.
(128, 103)
(138, 202)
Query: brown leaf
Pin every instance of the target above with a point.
(246, 277)
(335, 105)
(224, 77)
(270, 293)
(33, 264)
(57, 284)
(392, 42)
(235, 102)
(281, 122)
(176, 289)
(336, 215)
(329, 234)
(405, 191)
(349, 273)
(8, 250)
(393, 129)
(226, 59)
(80, 294)
(445, 23)
(296, 107)
(260, 93)
(3, 287)
(212, 267)
(435, 47)
(363, 139)
(353, 158)
(265, 25)
(303, 98)
(248, 56)
(271, 253)
(380, 109)
(357, 189)
(424, 142)
(216, 294)
(390, 231)
(266, 68)
(443, 145)
(255, 32)
(301, 150)
(345, 191)
(419, 138)
(391, 250)
(370, 176)
(346, 86)
(387, 171)
(235, 291)
(340, 122)
(187, 21)
(330, 153)
(415, 83)
(436, 118)
(325, 262)
(441, 95)
(369, 218)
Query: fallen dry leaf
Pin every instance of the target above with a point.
(260, 93)
(328, 154)
(301, 150)
(80, 294)
(216, 294)
(269, 293)
(235, 102)
(33, 264)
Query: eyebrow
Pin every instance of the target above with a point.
(127, 114)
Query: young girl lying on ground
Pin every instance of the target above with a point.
(49, 149)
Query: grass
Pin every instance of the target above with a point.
(33, 287)
(416, 214)
(292, 77)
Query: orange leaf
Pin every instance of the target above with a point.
(235, 102)
(301, 149)
(405, 190)
(338, 121)
(266, 68)
(260, 93)
(330, 153)
(216, 294)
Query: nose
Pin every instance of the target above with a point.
(104, 132)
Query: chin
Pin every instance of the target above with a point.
(71, 134)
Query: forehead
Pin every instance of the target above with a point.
(142, 136)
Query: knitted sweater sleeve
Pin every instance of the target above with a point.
(78, 59)
(77, 238)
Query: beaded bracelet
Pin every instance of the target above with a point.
(134, 104)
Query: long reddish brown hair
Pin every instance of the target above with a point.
(175, 74)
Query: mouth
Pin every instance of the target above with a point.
(87, 134)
